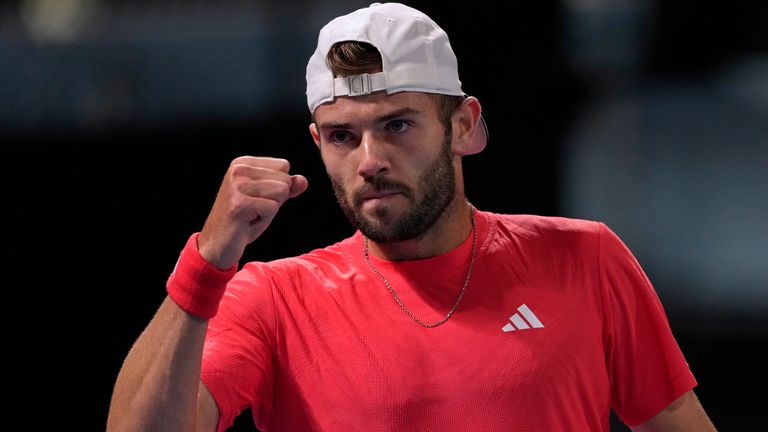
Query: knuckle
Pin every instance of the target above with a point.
(283, 190)
(237, 202)
(240, 186)
(284, 165)
(238, 161)
(239, 170)
(271, 207)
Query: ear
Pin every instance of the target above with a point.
(315, 134)
(469, 135)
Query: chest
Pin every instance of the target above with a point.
(510, 347)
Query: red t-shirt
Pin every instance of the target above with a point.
(557, 325)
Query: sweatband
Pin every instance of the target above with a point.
(196, 285)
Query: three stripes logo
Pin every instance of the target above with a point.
(523, 319)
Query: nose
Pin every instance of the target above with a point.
(373, 158)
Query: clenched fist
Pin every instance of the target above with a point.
(250, 195)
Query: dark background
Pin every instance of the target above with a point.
(118, 119)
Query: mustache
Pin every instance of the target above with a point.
(380, 184)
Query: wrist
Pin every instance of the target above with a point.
(195, 284)
(220, 258)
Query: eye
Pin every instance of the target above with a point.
(398, 125)
(339, 136)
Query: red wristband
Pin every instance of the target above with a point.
(196, 285)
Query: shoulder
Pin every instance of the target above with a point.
(548, 235)
(536, 226)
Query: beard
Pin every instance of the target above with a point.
(437, 186)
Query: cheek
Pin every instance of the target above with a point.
(340, 166)
(330, 160)
(334, 167)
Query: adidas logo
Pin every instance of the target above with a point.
(519, 322)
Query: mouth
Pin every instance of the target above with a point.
(378, 195)
(380, 192)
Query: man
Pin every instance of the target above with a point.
(434, 315)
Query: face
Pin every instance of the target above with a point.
(390, 162)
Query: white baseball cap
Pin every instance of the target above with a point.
(415, 52)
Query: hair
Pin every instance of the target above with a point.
(353, 58)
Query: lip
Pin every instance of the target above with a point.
(378, 195)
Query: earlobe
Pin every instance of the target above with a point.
(469, 133)
(315, 134)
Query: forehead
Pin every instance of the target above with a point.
(359, 108)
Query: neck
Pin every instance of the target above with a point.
(451, 228)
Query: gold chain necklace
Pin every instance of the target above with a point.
(400, 302)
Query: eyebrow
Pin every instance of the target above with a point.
(381, 119)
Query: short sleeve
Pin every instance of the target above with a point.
(646, 367)
(237, 363)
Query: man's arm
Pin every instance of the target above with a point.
(159, 387)
(684, 414)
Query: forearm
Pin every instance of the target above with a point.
(684, 414)
(157, 386)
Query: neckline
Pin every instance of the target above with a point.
(454, 257)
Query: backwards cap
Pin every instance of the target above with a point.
(415, 52)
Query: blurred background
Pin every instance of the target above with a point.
(118, 119)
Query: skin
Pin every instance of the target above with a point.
(395, 137)
(159, 387)
(436, 184)
(362, 140)
(682, 415)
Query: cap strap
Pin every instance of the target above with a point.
(358, 85)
